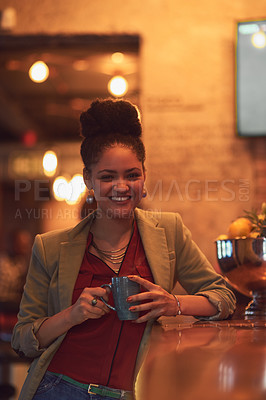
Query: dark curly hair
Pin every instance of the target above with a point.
(106, 123)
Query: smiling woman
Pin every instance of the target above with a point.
(113, 155)
(80, 347)
(117, 191)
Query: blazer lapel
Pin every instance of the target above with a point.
(156, 249)
(71, 256)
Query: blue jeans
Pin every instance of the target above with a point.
(53, 387)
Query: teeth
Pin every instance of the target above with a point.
(120, 198)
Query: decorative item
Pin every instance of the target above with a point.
(90, 197)
(242, 259)
(145, 192)
(258, 221)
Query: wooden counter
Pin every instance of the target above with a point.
(195, 360)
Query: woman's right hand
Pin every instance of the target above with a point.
(83, 309)
(79, 312)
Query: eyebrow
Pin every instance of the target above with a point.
(113, 171)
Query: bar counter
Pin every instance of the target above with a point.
(198, 360)
(190, 359)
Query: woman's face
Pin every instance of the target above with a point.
(117, 180)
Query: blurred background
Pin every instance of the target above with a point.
(177, 60)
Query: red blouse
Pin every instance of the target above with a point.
(103, 351)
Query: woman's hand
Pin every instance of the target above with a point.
(84, 309)
(79, 312)
(158, 301)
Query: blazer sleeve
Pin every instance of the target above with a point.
(198, 277)
(33, 307)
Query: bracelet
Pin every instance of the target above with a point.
(179, 312)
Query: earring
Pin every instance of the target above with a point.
(90, 197)
(145, 192)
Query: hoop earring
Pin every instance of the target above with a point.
(145, 192)
(90, 197)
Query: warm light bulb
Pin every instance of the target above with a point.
(39, 72)
(49, 163)
(77, 189)
(118, 86)
(117, 57)
(259, 39)
(61, 188)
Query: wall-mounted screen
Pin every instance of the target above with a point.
(251, 78)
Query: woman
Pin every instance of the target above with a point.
(79, 346)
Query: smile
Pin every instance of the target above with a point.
(120, 198)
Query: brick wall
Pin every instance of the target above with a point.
(196, 164)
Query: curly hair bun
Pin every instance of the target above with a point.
(107, 117)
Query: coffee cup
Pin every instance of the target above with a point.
(122, 287)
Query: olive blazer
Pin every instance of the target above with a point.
(54, 267)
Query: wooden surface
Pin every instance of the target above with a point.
(198, 360)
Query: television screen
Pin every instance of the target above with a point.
(251, 78)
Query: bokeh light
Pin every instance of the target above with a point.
(259, 39)
(49, 163)
(61, 188)
(117, 57)
(69, 191)
(29, 138)
(39, 72)
(78, 187)
(118, 86)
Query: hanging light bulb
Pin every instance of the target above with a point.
(118, 86)
(39, 72)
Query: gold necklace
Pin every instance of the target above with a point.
(113, 256)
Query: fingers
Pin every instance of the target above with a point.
(153, 310)
(97, 305)
(98, 311)
(143, 282)
(154, 303)
(97, 291)
(148, 316)
(91, 302)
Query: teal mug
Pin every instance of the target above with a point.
(122, 287)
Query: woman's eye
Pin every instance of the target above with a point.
(134, 175)
(106, 177)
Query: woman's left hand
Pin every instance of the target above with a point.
(158, 301)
